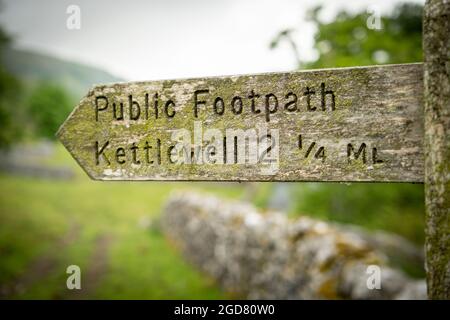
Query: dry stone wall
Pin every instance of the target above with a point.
(268, 256)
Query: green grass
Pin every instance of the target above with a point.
(36, 213)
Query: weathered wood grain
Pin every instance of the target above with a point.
(378, 107)
(436, 47)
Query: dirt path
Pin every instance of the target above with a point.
(97, 268)
(48, 263)
(40, 267)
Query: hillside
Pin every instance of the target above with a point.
(32, 67)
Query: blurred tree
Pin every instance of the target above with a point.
(348, 41)
(286, 35)
(11, 128)
(49, 105)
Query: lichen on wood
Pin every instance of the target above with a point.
(345, 124)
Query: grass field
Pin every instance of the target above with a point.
(103, 227)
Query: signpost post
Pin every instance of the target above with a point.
(349, 124)
(436, 45)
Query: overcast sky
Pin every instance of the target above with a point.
(145, 40)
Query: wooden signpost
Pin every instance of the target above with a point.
(348, 124)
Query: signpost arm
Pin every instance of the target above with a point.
(436, 45)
